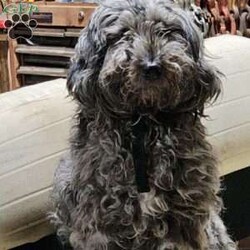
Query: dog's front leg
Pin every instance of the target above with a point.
(218, 237)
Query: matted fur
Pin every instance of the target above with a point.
(97, 205)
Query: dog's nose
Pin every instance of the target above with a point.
(151, 71)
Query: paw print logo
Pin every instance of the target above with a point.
(20, 26)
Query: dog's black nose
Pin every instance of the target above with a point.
(151, 71)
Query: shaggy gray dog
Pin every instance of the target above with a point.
(140, 173)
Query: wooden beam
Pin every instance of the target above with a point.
(75, 32)
(48, 32)
(72, 34)
(43, 71)
(45, 50)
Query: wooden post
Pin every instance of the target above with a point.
(4, 79)
(13, 64)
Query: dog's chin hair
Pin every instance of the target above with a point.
(150, 97)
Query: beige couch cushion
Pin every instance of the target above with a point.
(229, 127)
(35, 124)
(33, 136)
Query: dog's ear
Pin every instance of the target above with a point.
(208, 84)
(85, 65)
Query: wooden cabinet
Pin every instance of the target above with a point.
(47, 54)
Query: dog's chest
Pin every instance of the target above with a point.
(158, 146)
(151, 148)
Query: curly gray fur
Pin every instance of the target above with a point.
(97, 205)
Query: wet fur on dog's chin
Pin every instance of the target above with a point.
(143, 57)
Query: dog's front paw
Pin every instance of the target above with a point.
(218, 237)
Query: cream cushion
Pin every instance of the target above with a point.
(229, 126)
(34, 132)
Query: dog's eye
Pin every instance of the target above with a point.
(125, 32)
(177, 32)
(115, 38)
(128, 54)
(163, 33)
(169, 31)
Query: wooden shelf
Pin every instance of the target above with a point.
(44, 50)
(48, 32)
(42, 71)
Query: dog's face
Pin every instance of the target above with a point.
(143, 53)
